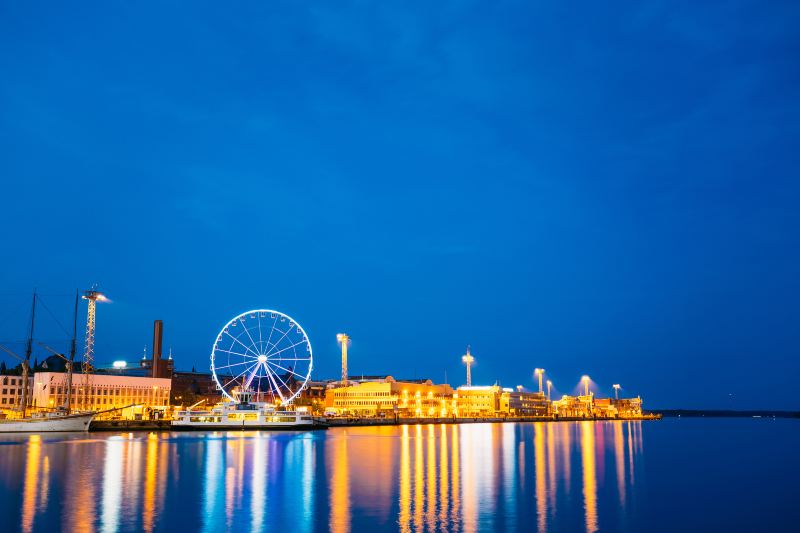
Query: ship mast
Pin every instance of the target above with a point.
(68, 402)
(26, 363)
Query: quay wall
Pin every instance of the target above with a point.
(164, 425)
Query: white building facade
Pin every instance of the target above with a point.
(11, 391)
(106, 391)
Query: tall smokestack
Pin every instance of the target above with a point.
(158, 333)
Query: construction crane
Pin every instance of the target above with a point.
(344, 340)
(92, 296)
(467, 359)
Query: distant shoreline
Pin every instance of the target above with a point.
(725, 413)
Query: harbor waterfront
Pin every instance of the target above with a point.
(265, 384)
(678, 474)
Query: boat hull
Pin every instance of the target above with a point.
(248, 427)
(47, 425)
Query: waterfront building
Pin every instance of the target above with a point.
(384, 396)
(589, 406)
(629, 407)
(190, 387)
(106, 391)
(478, 401)
(11, 391)
(574, 406)
(523, 403)
(313, 396)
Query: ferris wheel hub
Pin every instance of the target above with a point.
(262, 359)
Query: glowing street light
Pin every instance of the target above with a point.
(344, 340)
(539, 372)
(616, 391)
(468, 359)
(549, 385)
(585, 380)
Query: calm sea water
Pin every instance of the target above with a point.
(671, 475)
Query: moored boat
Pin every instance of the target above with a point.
(245, 414)
(48, 422)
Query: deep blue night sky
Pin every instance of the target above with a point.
(589, 190)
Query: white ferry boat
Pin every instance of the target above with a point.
(244, 414)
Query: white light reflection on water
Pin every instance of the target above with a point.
(258, 487)
(112, 483)
(213, 484)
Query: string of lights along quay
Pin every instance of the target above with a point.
(260, 378)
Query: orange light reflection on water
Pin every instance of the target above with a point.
(539, 466)
(30, 489)
(589, 475)
(340, 486)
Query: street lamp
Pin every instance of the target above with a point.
(585, 380)
(549, 385)
(616, 391)
(539, 372)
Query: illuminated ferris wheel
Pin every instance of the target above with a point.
(263, 351)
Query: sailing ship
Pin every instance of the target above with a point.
(61, 419)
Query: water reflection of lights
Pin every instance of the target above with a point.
(30, 489)
(630, 453)
(551, 466)
(509, 449)
(447, 477)
(566, 453)
(619, 461)
(444, 477)
(211, 484)
(431, 473)
(112, 481)
(340, 486)
(405, 481)
(150, 473)
(455, 487)
(258, 485)
(308, 483)
(419, 489)
(539, 466)
(589, 475)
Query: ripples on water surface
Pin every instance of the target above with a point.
(689, 475)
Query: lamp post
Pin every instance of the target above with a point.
(549, 385)
(585, 380)
(344, 340)
(616, 391)
(539, 372)
(468, 359)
